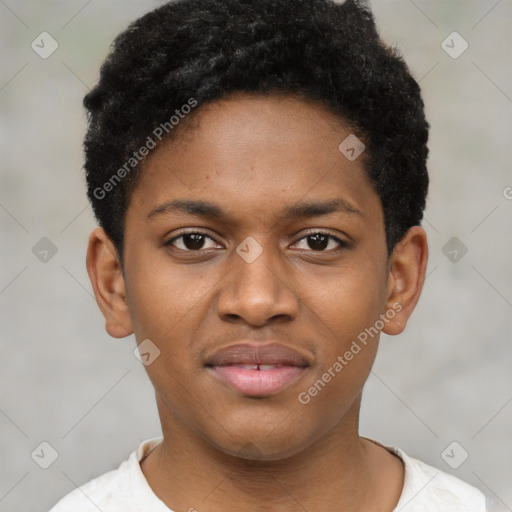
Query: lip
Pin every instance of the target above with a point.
(258, 369)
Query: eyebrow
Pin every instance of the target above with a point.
(302, 210)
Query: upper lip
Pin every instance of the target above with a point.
(257, 353)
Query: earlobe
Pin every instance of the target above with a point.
(105, 273)
(408, 264)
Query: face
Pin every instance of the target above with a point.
(255, 260)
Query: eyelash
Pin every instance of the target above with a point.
(341, 243)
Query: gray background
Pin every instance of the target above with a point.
(64, 381)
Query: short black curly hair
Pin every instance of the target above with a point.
(190, 52)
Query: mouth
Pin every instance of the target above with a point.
(258, 370)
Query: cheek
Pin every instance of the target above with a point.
(345, 313)
(348, 300)
(163, 298)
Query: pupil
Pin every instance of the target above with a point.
(193, 241)
(319, 242)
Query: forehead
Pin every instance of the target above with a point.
(256, 153)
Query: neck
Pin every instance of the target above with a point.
(340, 471)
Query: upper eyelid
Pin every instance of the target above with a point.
(321, 232)
(191, 232)
(341, 243)
(181, 235)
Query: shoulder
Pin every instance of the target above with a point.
(119, 489)
(427, 489)
(101, 492)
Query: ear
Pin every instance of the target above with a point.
(408, 264)
(105, 273)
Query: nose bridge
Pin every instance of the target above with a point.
(257, 267)
(255, 290)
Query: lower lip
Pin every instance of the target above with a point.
(259, 382)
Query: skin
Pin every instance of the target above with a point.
(253, 156)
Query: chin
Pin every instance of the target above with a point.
(265, 444)
(263, 451)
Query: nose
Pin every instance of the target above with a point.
(257, 293)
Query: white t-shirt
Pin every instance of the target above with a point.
(125, 489)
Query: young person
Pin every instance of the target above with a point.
(258, 172)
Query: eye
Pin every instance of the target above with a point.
(320, 241)
(192, 241)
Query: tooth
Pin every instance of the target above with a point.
(249, 366)
(266, 366)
